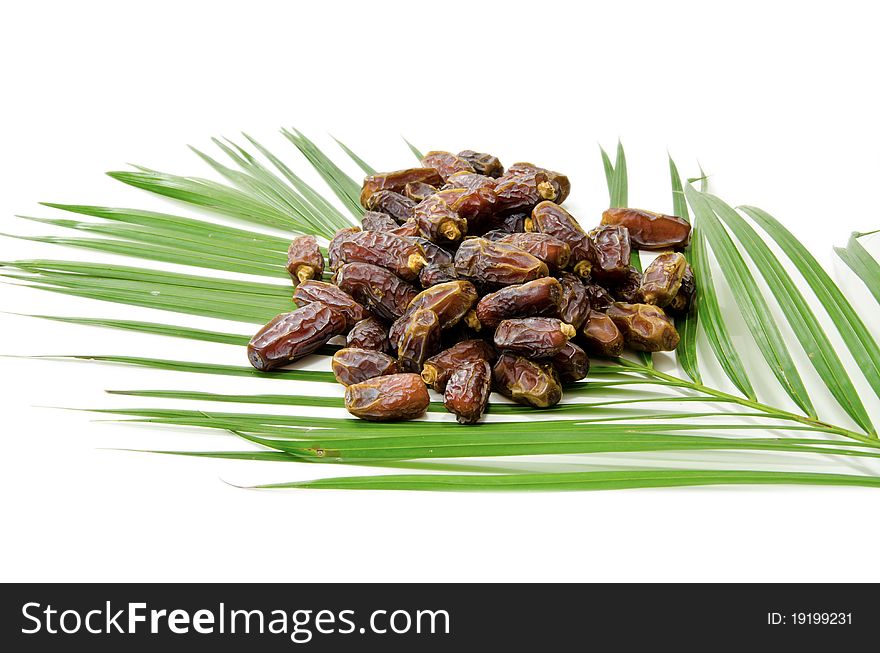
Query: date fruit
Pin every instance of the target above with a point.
(397, 181)
(550, 218)
(419, 340)
(375, 221)
(644, 327)
(574, 302)
(401, 256)
(526, 382)
(496, 264)
(336, 242)
(388, 398)
(369, 333)
(601, 336)
(304, 259)
(535, 337)
(683, 301)
(611, 250)
(467, 391)
(649, 230)
(290, 336)
(446, 163)
(482, 163)
(438, 368)
(627, 288)
(438, 222)
(451, 301)
(554, 252)
(398, 206)
(381, 291)
(571, 363)
(538, 297)
(310, 292)
(417, 191)
(437, 273)
(351, 365)
(662, 279)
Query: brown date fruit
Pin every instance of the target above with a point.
(418, 191)
(513, 223)
(446, 163)
(397, 181)
(435, 274)
(401, 256)
(571, 363)
(450, 301)
(376, 221)
(600, 299)
(419, 340)
(434, 254)
(351, 365)
(482, 163)
(662, 279)
(311, 291)
(409, 229)
(559, 182)
(369, 333)
(527, 382)
(521, 190)
(438, 222)
(290, 336)
(555, 253)
(494, 235)
(611, 250)
(574, 302)
(496, 264)
(627, 289)
(388, 398)
(467, 391)
(683, 301)
(601, 336)
(469, 181)
(438, 368)
(476, 205)
(384, 293)
(538, 297)
(535, 337)
(644, 327)
(336, 242)
(649, 230)
(304, 259)
(398, 206)
(550, 218)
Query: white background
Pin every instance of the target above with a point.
(778, 101)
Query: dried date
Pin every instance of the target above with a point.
(435, 274)
(336, 242)
(574, 302)
(554, 252)
(304, 259)
(401, 256)
(369, 333)
(418, 191)
(611, 251)
(388, 398)
(351, 365)
(419, 340)
(550, 218)
(683, 301)
(627, 288)
(601, 336)
(381, 291)
(482, 163)
(467, 391)
(376, 221)
(535, 298)
(644, 327)
(398, 206)
(290, 336)
(310, 292)
(649, 230)
(535, 337)
(438, 222)
(446, 163)
(496, 264)
(662, 279)
(438, 368)
(526, 382)
(571, 363)
(397, 181)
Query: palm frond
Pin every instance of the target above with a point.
(862, 263)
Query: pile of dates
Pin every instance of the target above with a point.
(466, 278)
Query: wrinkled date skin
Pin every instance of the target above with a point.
(446, 163)
(644, 327)
(434, 274)
(450, 301)
(438, 368)
(401, 256)
(611, 250)
(418, 191)
(526, 382)
(310, 292)
(554, 252)
(470, 181)
(351, 365)
(409, 229)
(538, 297)
(551, 219)
(438, 222)
(497, 264)
(574, 302)
(649, 230)
(627, 289)
(304, 259)
(369, 333)
(513, 223)
(571, 363)
(376, 221)
(419, 340)
(434, 254)
(600, 299)
(560, 183)
(398, 206)
(336, 242)
(535, 337)
(397, 181)
(388, 398)
(601, 336)
(381, 291)
(683, 301)
(290, 336)
(662, 279)
(467, 391)
(482, 163)
(521, 190)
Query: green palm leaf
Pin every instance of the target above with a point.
(862, 263)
